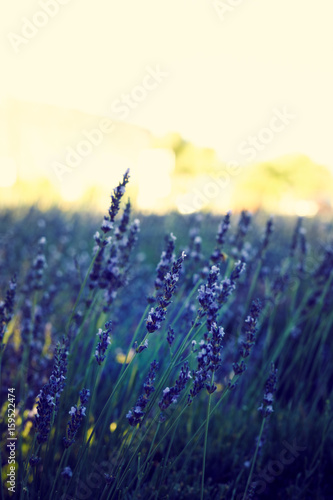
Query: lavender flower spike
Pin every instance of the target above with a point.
(266, 407)
(170, 395)
(104, 341)
(48, 398)
(137, 413)
(157, 315)
(77, 414)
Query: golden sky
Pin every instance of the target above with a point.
(225, 66)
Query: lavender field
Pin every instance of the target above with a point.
(174, 357)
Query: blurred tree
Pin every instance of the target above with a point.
(290, 179)
(190, 159)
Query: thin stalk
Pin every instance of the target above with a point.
(27, 468)
(58, 472)
(202, 426)
(100, 418)
(166, 459)
(121, 480)
(254, 458)
(141, 477)
(135, 336)
(81, 290)
(205, 443)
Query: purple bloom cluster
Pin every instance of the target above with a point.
(127, 243)
(7, 307)
(170, 336)
(115, 271)
(280, 282)
(48, 398)
(124, 221)
(111, 272)
(323, 272)
(34, 280)
(171, 394)
(220, 238)
(207, 297)
(67, 473)
(266, 407)
(39, 265)
(34, 460)
(157, 314)
(250, 329)
(242, 229)
(104, 341)
(116, 197)
(137, 413)
(77, 414)
(209, 360)
(194, 248)
(165, 262)
(266, 238)
(213, 294)
(249, 336)
(97, 266)
(106, 227)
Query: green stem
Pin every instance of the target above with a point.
(81, 291)
(205, 442)
(201, 427)
(58, 471)
(100, 419)
(27, 468)
(254, 459)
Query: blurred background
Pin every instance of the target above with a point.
(213, 106)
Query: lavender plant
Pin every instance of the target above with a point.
(172, 416)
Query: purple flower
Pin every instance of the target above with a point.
(165, 262)
(118, 193)
(220, 238)
(170, 336)
(207, 297)
(266, 407)
(104, 341)
(6, 307)
(67, 473)
(157, 315)
(209, 360)
(170, 395)
(266, 238)
(142, 347)
(121, 230)
(48, 398)
(248, 341)
(242, 229)
(137, 413)
(250, 329)
(77, 414)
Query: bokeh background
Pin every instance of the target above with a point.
(212, 104)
